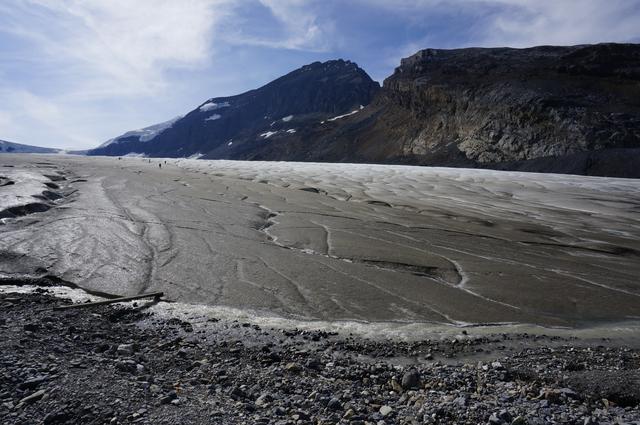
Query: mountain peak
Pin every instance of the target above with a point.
(332, 63)
(307, 95)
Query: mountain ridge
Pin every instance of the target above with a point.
(313, 92)
(12, 147)
(542, 108)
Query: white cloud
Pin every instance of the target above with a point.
(36, 115)
(522, 23)
(5, 121)
(535, 22)
(301, 22)
(118, 46)
(513, 23)
(300, 27)
(90, 61)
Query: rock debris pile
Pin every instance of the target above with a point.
(115, 364)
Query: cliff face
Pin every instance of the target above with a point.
(499, 105)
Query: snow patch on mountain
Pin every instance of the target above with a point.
(268, 134)
(212, 106)
(144, 134)
(213, 117)
(355, 111)
(20, 148)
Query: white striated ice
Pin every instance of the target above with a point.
(492, 193)
(26, 185)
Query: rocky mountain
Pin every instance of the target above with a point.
(10, 147)
(569, 109)
(550, 109)
(498, 105)
(220, 125)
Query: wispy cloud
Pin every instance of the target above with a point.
(90, 52)
(522, 23)
(286, 24)
(44, 117)
(513, 23)
(123, 46)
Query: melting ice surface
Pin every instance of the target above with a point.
(349, 243)
(20, 187)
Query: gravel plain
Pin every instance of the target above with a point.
(123, 364)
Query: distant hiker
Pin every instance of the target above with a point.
(159, 165)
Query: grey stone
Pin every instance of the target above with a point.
(385, 410)
(411, 380)
(125, 349)
(33, 397)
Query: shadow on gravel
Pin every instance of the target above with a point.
(118, 364)
(622, 387)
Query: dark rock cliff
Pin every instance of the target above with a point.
(500, 105)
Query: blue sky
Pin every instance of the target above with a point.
(74, 73)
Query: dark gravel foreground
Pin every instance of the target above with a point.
(115, 364)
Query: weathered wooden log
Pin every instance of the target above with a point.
(111, 301)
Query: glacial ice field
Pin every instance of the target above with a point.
(332, 242)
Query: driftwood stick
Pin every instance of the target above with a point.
(111, 301)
